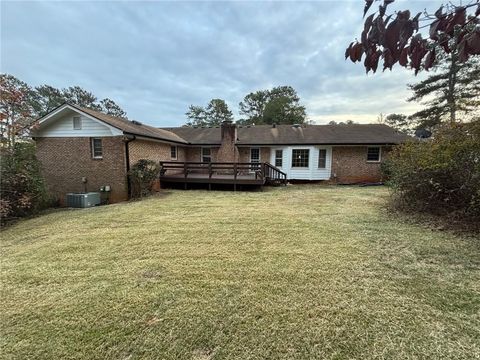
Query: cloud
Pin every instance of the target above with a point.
(157, 58)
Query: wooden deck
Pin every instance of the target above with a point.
(253, 174)
(214, 179)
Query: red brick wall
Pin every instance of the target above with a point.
(152, 150)
(228, 151)
(349, 165)
(193, 154)
(245, 154)
(66, 160)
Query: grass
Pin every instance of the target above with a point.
(290, 273)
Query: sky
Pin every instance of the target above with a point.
(156, 58)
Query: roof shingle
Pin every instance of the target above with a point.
(130, 127)
(290, 135)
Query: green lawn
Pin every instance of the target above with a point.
(294, 273)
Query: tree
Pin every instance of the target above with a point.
(22, 190)
(217, 111)
(197, 116)
(110, 107)
(399, 40)
(279, 105)
(47, 98)
(348, 122)
(453, 89)
(253, 106)
(81, 97)
(399, 122)
(214, 114)
(16, 110)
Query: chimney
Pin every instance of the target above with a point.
(228, 151)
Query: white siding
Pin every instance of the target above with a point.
(310, 173)
(63, 127)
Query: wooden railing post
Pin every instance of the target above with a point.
(235, 177)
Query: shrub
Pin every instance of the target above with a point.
(22, 188)
(440, 176)
(142, 176)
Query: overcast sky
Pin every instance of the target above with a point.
(156, 58)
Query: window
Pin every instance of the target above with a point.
(206, 155)
(255, 158)
(278, 158)
(173, 152)
(300, 157)
(97, 150)
(77, 123)
(373, 154)
(255, 155)
(322, 158)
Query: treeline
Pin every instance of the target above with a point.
(279, 105)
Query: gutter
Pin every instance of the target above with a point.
(156, 138)
(128, 139)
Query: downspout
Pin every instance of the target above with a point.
(128, 139)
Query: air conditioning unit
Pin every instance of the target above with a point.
(83, 200)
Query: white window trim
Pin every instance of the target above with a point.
(300, 167)
(201, 153)
(176, 152)
(326, 157)
(93, 148)
(275, 158)
(259, 154)
(379, 154)
(79, 122)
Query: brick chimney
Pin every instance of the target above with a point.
(228, 151)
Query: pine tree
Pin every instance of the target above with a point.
(452, 91)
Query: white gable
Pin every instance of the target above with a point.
(60, 124)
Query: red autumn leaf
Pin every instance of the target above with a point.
(364, 37)
(388, 60)
(381, 10)
(415, 21)
(368, 3)
(358, 51)
(392, 34)
(477, 12)
(473, 43)
(406, 32)
(374, 60)
(403, 60)
(388, 19)
(380, 26)
(368, 23)
(439, 13)
(433, 29)
(347, 52)
(457, 18)
(403, 15)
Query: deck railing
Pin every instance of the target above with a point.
(262, 171)
(274, 174)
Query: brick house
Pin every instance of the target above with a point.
(76, 144)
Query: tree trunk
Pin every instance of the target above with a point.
(452, 82)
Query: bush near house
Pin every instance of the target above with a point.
(440, 176)
(22, 188)
(142, 176)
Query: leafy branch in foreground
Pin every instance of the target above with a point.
(396, 37)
